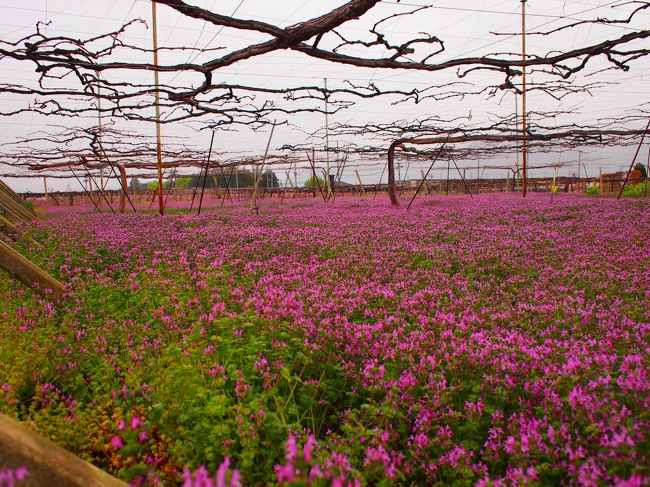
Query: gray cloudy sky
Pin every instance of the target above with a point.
(465, 27)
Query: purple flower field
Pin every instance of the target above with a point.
(493, 341)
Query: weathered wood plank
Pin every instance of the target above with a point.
(30, 274)
(47, 463)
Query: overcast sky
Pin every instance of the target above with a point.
(465, 27)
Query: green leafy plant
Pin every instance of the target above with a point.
(635, 190)
(314, 182)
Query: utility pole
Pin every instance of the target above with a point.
(161, 206)
(523, 97)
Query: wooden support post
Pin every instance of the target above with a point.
(8, 226)
(161, 206)
(14, 210)
(11, 194)
(9, 200)
(124, 186)
(600, 178)
(46, 462)
(11, 228)
(29, 274)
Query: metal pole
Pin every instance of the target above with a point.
(295, 179)
(523, 97)
(647, 173)
(171, 183)
(101, 193)
(119, 180)
(101, 182)
(627, 175)
(286, 184)
(424, 176)
(85, 190)
(161, 205)
(237, 183)
(517, 139)
(579, 163)
(227, 193)
(205, 177)
(448, 167)
(339, 175)
(380, 178)
(462, 177)
(261, 169)
(313, 168)
(327, 144)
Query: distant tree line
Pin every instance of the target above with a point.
(240, 178)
